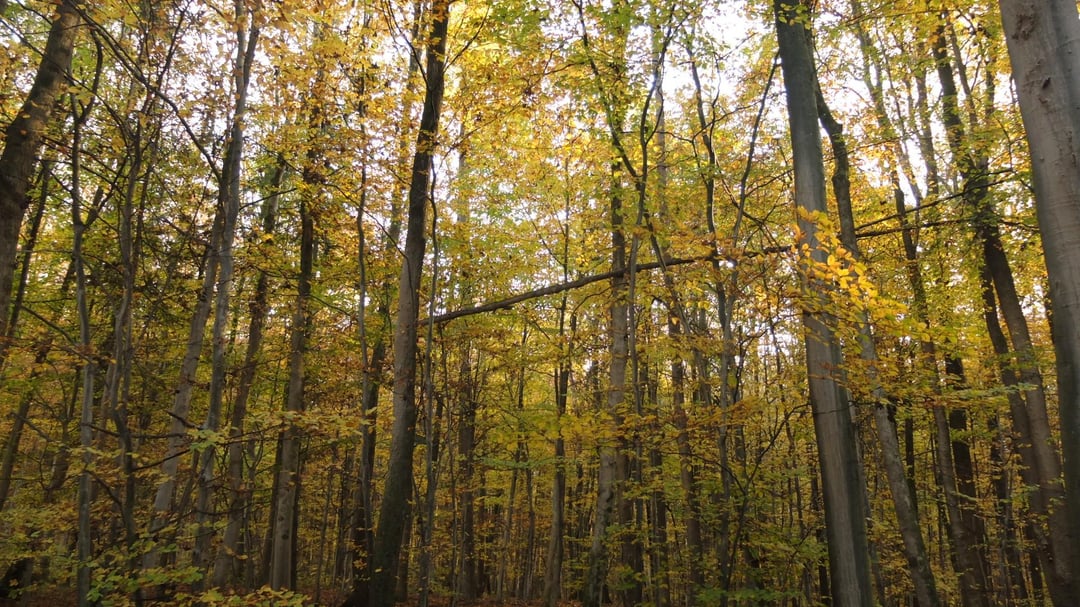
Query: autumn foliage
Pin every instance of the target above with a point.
(647, 302)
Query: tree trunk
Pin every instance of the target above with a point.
(282, 554)
(22, 141)
(394, 508)
(372, 374)
(553, 566)
(844, 523)
(468, 584)
(972, 164)
(903, 498)
(608, 474)
(229, 206)
(1043, 41)
(970, 562)
(227, 565)
(18, 422)
(89, 367)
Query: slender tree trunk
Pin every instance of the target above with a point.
(179, 424)
(89, 369)
(468, 585)
(608, 474)
(22, 141)
(229, 206)
(971, 522)
(969, 561)
(116, 390)
(903, 498)
(372, 375)
(227, 564)
(972, 163)
(553, 564)
(286, 497)
(432, 417)
(394, 509)
(844, 523)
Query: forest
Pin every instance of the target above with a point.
(514, 302)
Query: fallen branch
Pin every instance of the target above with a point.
(510, 302)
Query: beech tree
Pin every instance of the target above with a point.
(1042, 40)
(844, 513)
(394, 510)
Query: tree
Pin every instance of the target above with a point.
(1043, 39)
(394, 509)
(23, 139)
(845, 527)
(611, 282)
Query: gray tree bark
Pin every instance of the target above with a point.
(608, 474)
(227, 562)
(1044, 44)
(845, 527)
(283, 538)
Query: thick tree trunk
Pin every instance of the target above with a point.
(23, 139)
(18, 422)
(46, 177)
(844, 519)
(1044, 41)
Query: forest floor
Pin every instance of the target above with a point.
(62, 597)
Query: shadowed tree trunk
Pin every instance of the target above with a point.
(553, 565)
(22, 141)
(395, 505)
(287, 488)
(18, 422)
(89, 368)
